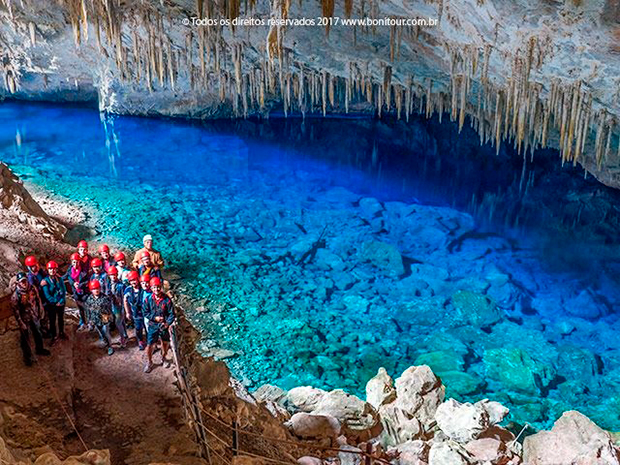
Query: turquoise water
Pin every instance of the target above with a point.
(317, 251)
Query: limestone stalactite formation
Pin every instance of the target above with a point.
(539, 74)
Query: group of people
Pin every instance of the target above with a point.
(109, 293)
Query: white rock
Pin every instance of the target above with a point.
(418, 393)
(413, 453)
(448, 453)
(575, 440)
(307, 460)
(353, 457)
(359, 419)
(461, 422)
(306, 425)
(380, 389)
(304, 398)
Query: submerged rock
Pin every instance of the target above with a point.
(515, 369)
(476, 309)
(384, 256)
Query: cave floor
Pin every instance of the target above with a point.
(113, 404)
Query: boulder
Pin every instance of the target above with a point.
(370, 207)
(359, 420)
(448, 453)
(492, 452)
(583, 305)
(268, 392)
(418, 394)
(476, 309)
(304, 398)
(413, 453)
(352, 457)
(380, 389)
(459, 383)
(516, 370)
(384, 256)
(574, 439)
(307, 460)
(442, 361)
(465, 422)
(309, 426)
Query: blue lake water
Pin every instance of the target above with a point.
(317, 251)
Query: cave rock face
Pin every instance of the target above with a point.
(537, 72)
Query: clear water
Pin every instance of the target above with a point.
(318, 251)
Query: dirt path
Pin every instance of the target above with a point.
(113, 404)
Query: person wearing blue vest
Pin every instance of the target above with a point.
(35, 273)
(54, 293)
(160, 312)
(132, 301)
(117, 294)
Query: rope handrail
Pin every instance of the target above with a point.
(183, 386)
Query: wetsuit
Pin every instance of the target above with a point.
(117, 293)
(79, 276)
(99, 311)
(159, 307)
(55, 293)
(133, 301)
(27, 309)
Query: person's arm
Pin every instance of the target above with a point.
(135, 261)
(126, 306)
(40, 309)
(18, 317)
(47, 292)
(171, 316)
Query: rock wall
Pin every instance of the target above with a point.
(24, 227)
(538, 73)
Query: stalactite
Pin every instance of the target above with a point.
(429, 102)
(327, 8)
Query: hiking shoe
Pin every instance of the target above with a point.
(123, 343)
(167, 363)
(44, 352)
(148, 368)
(110, 350)
(141, 345)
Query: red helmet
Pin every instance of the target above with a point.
(52, 264)
(96, 262)
(145, 278)
(112, 270)
(83, 244)
(104, 248)
(31, 261)
(132, 276)
(76, 256)
(155, 281)
(119, 256)
(94, 284)
(143, 254)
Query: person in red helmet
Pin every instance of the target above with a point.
(117, 293)
(106, 258)
(155, 255)
(99, 311)
(85, 258)
(78, 283)
(55, 293)
(160, 312)
(35, 273)
(121, 266)
(27, 309)
(132, 300)
(96, 265)
(146, 266)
